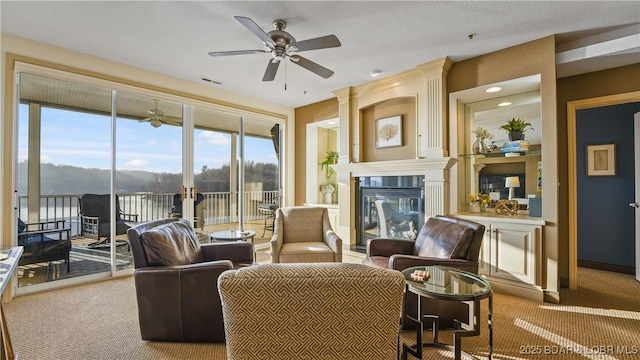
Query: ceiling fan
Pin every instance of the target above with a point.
(282, 45)
(156, 117)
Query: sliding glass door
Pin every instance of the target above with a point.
(64, 156)
(94, 160)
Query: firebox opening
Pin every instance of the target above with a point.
(388, 206)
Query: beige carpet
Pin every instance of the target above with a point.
(99, 321)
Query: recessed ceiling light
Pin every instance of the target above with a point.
(331, 122)
(506, 103)
(374, 72)
(493, 89)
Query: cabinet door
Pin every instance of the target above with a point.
(484, 259)
(514, 252)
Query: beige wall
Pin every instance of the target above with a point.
(586, 86)
(535, 57)
(319, 111)
(405, 106)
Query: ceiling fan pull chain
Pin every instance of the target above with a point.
(285, 76)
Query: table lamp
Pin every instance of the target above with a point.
(511, 182)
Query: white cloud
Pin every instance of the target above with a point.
(137, 164)
(215, 138)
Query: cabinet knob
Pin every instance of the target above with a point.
(635, 205)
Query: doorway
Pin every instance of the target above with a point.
(576, 156)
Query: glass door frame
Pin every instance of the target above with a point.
(188, 103)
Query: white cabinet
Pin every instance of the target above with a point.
(511, 253)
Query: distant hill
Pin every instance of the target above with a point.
(67, 179)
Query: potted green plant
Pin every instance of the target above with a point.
(516, 128)
(330, 159)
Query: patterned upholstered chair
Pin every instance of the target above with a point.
(304, 234)
(333, 311)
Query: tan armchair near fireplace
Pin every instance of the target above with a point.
(304, 234)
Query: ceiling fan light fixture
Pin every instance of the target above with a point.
(155, 123)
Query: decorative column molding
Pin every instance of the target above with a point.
(432, 133)
(346, 136)
(346, 188)
(436, 192)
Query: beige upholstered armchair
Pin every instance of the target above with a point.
(322, 311)
(303, 234)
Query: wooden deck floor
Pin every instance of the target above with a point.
(85, 261)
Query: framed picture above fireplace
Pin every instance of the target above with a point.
(389, 132)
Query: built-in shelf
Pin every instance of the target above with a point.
(497, 154)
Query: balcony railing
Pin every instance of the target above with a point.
(219, 207)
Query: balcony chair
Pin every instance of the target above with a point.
(269, 211)
(394, 224)
(176, 280)
(198, 207)
(333, 311)
(95, 219)
(443, 240)
(44, 242)
(304, 234)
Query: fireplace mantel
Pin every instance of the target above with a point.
(395, 167)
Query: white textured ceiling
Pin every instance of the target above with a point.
(174, 37)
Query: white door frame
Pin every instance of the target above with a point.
(572, 108)
(636, 134)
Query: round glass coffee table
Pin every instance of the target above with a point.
(233, 235)
(445, 283)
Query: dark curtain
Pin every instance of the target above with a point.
(275, 136)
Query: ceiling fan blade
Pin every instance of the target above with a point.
(270, 73)
(235, 52)
(312, 66)
(145, 119)
(172, 121)
(322, 42)
(254, 28)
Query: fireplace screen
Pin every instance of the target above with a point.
(391, 207)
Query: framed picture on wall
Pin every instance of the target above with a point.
(389, 132)
(601, 160)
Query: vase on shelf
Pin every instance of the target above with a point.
(479, 147)
(328, 198)
(474, 206)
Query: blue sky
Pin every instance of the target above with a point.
(81, 139)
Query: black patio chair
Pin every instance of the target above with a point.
(45, 241)
(95, 219)
(198, 207)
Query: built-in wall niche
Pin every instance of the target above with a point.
(518, 98)
(322, 138)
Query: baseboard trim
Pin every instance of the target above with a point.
(631, 270)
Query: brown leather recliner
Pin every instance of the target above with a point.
(443, 240)
(176, 280)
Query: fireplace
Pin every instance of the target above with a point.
(388, 206)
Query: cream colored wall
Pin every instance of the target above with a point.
(535, 57)
(319, 111)
(15, 48)
(404, 106)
